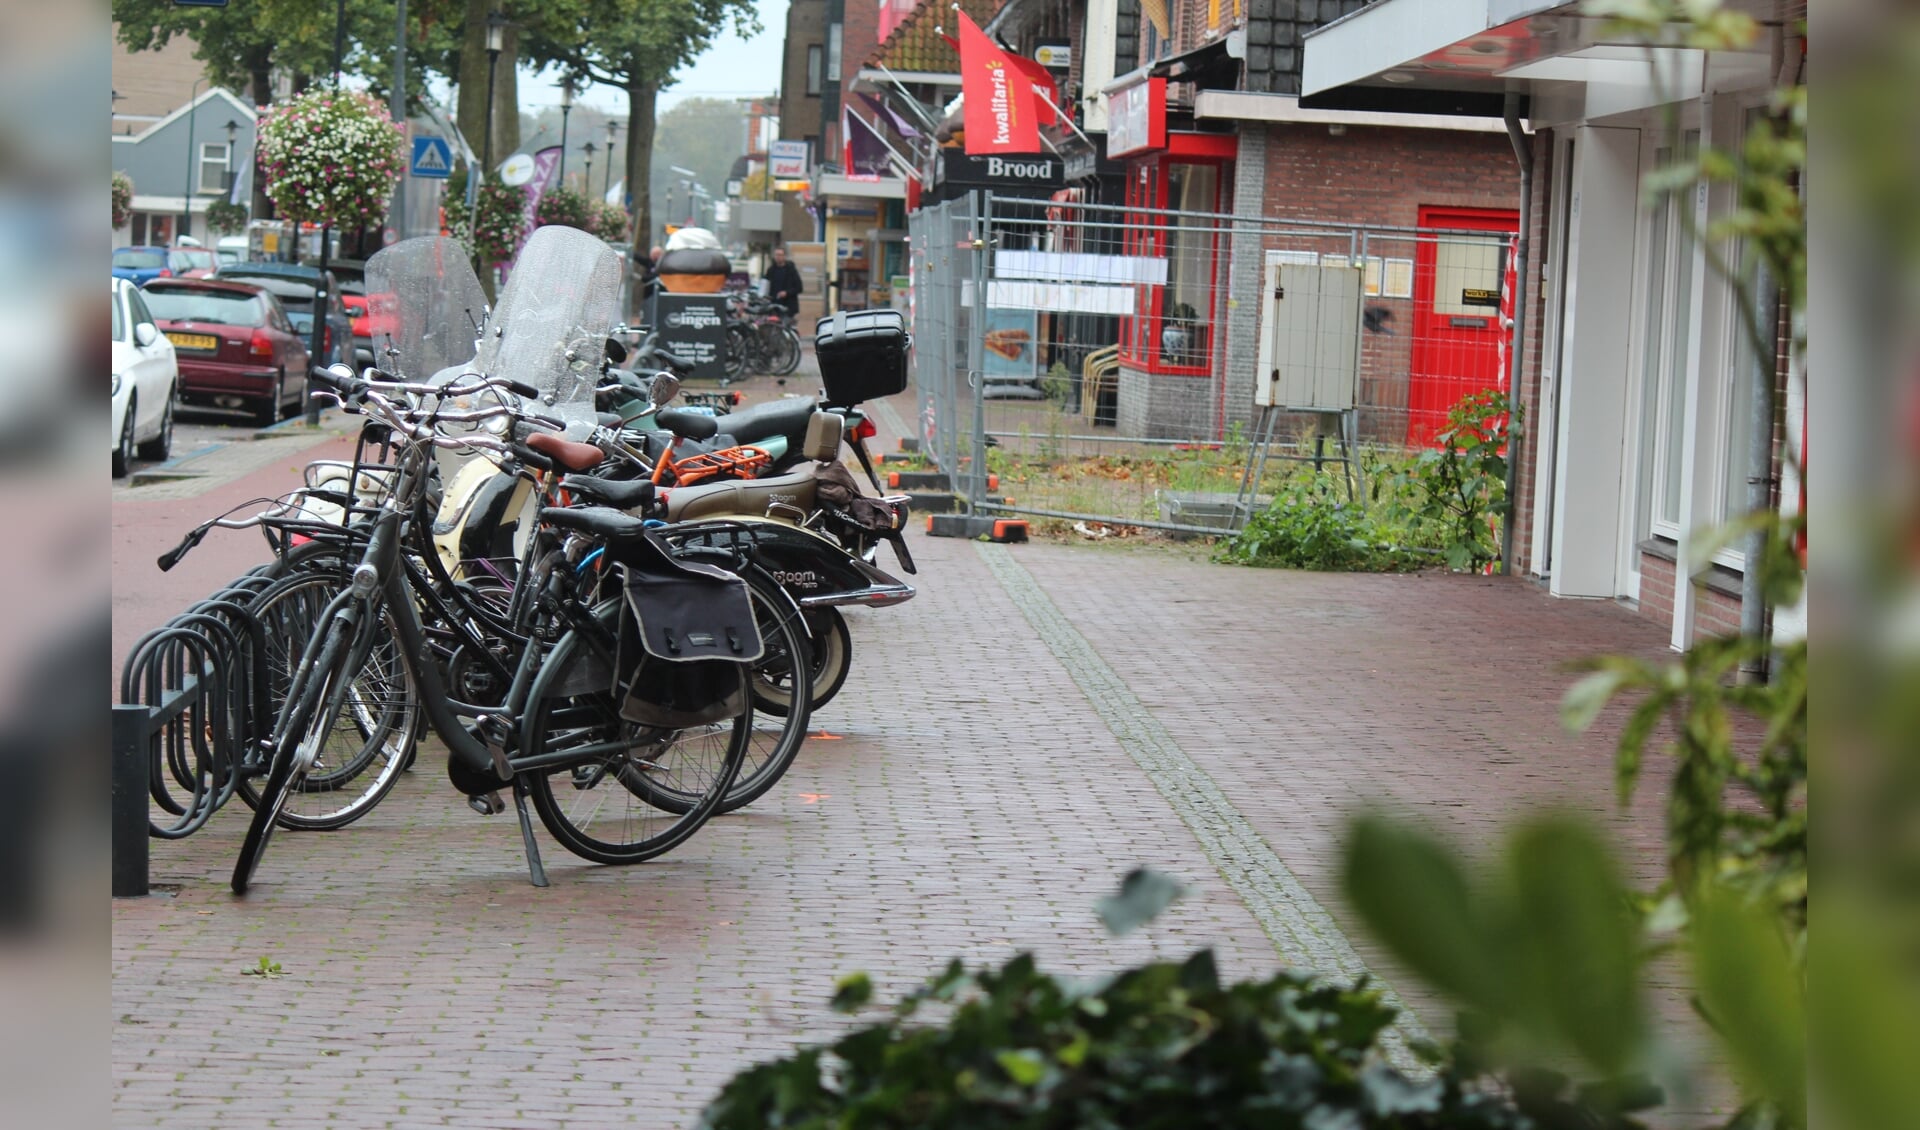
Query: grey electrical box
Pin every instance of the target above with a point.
(1309, 336)
(758, 215)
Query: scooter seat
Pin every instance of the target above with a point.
(627, 494)
(785, 417)
(750, 497)
(596, 521)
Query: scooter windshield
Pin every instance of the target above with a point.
(424, 307)
(551, 325)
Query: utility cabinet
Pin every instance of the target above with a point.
(1309, 336)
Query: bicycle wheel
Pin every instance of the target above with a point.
(302, 722)
(776, 734)
(594, 808)
(369, 738)
(789, 355)
(832, 654)
(738, 349)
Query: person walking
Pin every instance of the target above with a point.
(783, 282)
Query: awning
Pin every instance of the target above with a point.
(1214, 66)
(1466, 56)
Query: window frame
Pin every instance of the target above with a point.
(1148, 180)
(816, 69)
(225, 162)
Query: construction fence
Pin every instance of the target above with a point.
(1168, 369)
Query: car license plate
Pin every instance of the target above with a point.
(207, 342)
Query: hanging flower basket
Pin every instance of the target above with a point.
(122, 199)
(330, 157)
(563, 206)
(501, 219)
(608, 221)
(225, 217)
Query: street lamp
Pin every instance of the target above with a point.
(496, 40)
(586, 180)
(233, 128)
(613, 127)
(186, 198)
(566, 109)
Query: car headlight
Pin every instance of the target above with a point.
(116, 384)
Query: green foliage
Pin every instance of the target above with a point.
(1458, 492)
(1540, 952)
(1312, 525)
(1057, 384)
(224, 217)
(122, 199)
(563, 206)
(1142, 896)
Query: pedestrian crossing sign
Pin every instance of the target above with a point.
(432, 157)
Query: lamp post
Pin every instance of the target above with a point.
(233, 175)
(186, 198)
(586, 179)
(566, 109)
(496, 40)
(612, 128)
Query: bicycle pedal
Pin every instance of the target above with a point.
(488, 804)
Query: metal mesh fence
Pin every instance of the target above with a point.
(1121, 365)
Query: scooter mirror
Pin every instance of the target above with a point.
(665, 387)
(616, 352)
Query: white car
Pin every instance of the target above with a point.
(146, 382)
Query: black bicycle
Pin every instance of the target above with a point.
(626, 711)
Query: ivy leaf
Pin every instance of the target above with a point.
(1751, 992)
(852, 992)
(1023, 1065)
(1583, 701)
(1414, 896)
(1143, 895)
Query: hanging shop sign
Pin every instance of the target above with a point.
(1000, 172)
(1137, 118)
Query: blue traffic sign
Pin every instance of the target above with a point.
(432, 157)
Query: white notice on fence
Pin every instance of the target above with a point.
(1079, 267)
(1064, 298)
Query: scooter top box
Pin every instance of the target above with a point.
(862, 354)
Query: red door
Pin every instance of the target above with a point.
(1457, 333)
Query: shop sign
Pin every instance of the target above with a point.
(1137, 118)
(1001, 171)
(1056, 56)
(787, 160)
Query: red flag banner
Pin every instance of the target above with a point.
(999, 100)
(1046, 94)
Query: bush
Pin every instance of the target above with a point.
(563, 206)
(1162, 1045)
(122, 199)
(1310, 526)
(1458, 493)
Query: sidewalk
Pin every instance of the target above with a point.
(1038, 721)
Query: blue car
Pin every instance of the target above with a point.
(140, 265)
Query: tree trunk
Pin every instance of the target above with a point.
(640, 99)
(260, 88)
(506, 96)
(471, 112)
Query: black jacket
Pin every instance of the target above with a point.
(784, 276)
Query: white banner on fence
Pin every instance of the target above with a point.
(1063, 298)
(1075, 267)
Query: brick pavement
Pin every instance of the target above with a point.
(977, 802)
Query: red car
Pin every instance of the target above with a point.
(234, 344)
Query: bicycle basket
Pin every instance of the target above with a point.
(728, 462)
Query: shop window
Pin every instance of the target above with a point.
(1173, 211)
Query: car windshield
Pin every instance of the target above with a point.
(292, 293)
(183, 259)
(224, 306)
(137, 259)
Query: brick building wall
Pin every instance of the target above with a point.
(800, 111)
(1381, 177)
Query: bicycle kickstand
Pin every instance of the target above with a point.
(536, 873)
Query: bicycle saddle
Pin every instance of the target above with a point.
(572, 456)
(597, 521)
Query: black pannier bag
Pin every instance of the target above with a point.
(862, 355)
(687, 638)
